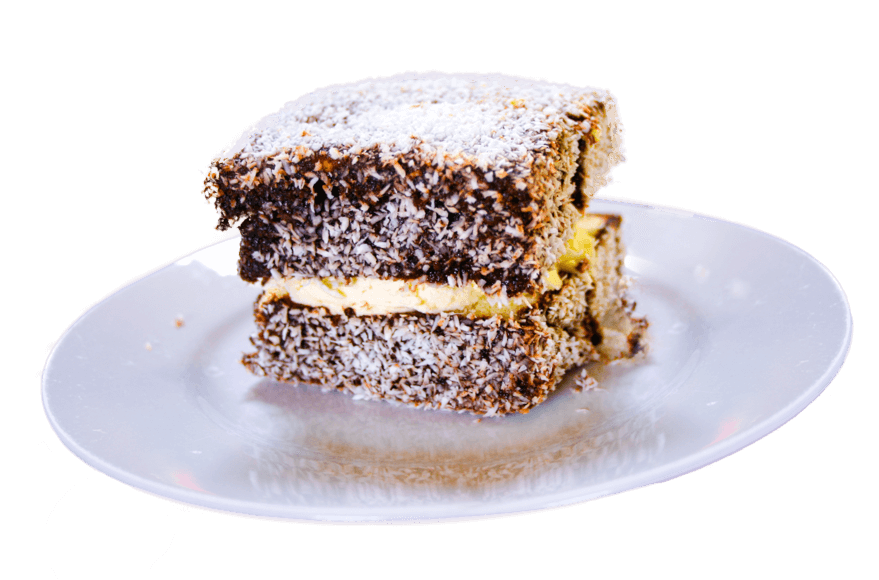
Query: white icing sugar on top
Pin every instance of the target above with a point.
(485, 119)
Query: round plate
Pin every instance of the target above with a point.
(746, 330)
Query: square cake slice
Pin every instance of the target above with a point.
(423, 239)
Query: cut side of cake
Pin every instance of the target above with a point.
(423, 238)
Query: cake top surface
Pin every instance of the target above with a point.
(485, 119)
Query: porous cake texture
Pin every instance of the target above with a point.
(438, 178)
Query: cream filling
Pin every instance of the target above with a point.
(375, 296)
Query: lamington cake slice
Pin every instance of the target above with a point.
(464, 352)
(422, 239)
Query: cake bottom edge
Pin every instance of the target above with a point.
(486, 366)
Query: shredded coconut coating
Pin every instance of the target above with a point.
(487, 366)
(442, 178)
(491, 121)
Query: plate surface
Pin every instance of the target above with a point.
(746, 331)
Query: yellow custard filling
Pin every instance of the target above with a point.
(373, 296)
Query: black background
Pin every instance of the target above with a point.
(715, 140)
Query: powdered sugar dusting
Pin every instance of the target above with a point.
(485, 119)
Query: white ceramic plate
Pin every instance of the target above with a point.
(746, 331)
